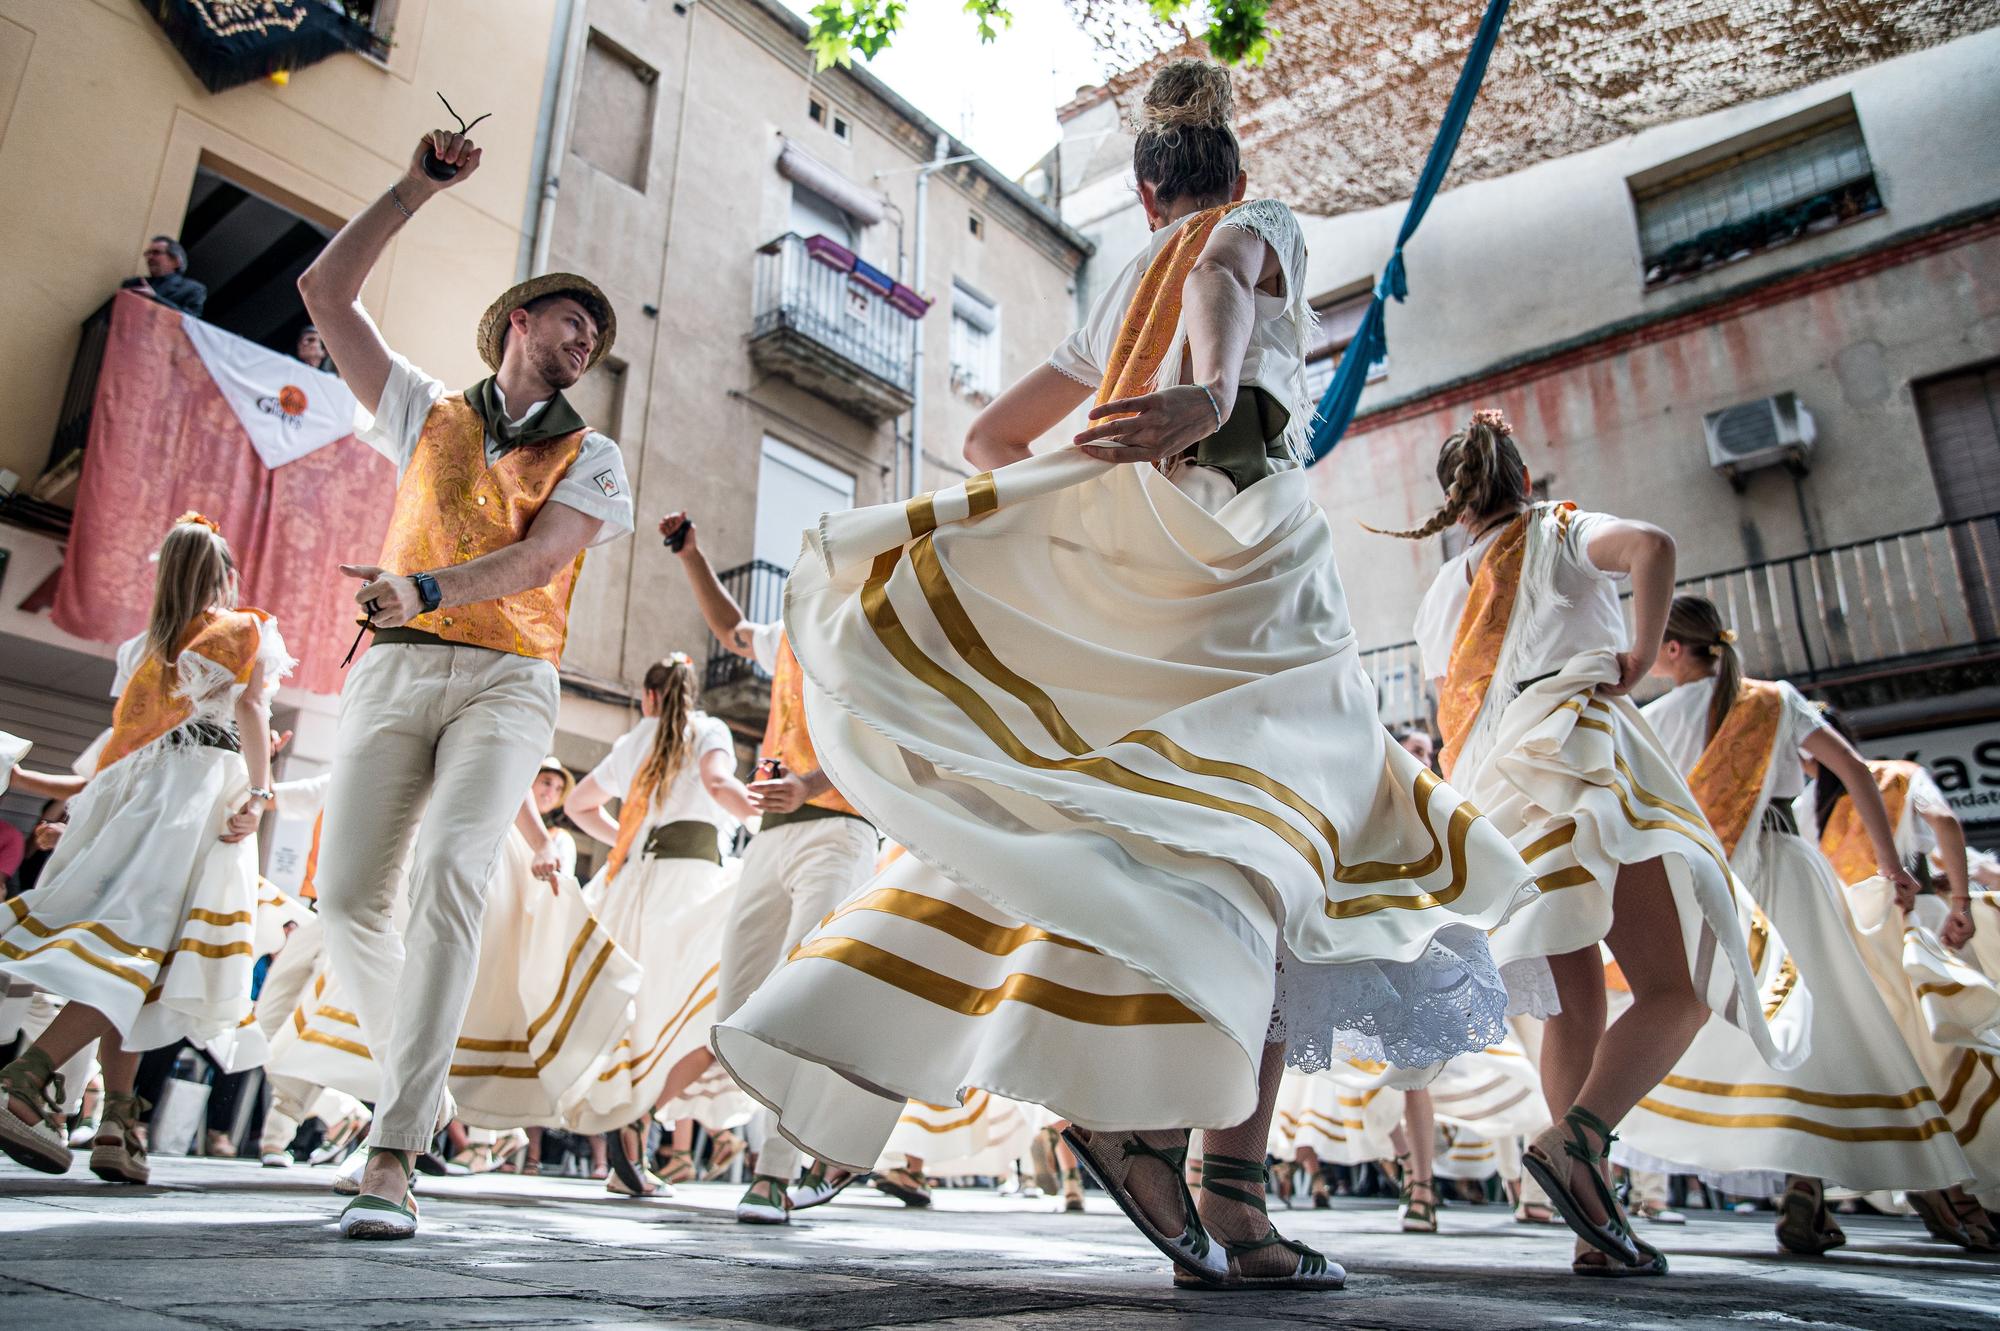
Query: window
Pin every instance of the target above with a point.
(793, 489)
(975, 344)
(976, 224)
(1339, 321)
(839, 128)
(614, 112)
(1959, 416)
(378, 17)
(816, 111)
(815, 215)
(1805, 181)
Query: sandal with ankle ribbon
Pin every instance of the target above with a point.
(1972, 1218)
(117, 1155)
(626, 1171)
(1420, 1217)
(1221, 1175)
(372, 1217)
(1612, 1236)
(1190, 1250)
(37, 1143)
(678, 1167)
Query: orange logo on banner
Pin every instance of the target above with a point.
(292, 400)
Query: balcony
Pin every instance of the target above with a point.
(1917, 601)
(734, 687)
(835, 326)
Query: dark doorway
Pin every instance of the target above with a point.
(249, 252)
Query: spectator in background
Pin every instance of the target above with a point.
(166, 278)
(13, 849)
(312, 350)
(41, 844)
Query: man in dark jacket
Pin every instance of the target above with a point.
(166, 279)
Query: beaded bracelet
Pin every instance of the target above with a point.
(1213, 405)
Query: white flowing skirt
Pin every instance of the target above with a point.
(142, 912)
(1581, 784)
(1948, 1014)
(670, 914)
(983, 1136)
(1341, 1122)
(1134, 757)
(1858, 1112)
(549, 999)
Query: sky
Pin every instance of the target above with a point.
(1001, 98)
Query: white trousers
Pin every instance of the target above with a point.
(440, 744)
(284, 985)
(793, 876)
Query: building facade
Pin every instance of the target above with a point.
(1771, 329)
(757, 226)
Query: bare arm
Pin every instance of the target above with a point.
(1646, 554)
(718, 608)
(253, 732)
(547, 862)
(331, 287)
(1950, 835)
(46, 784)
(1835, 754)
(585, 808)
(1029, 409)
(1219, 307)
(718, 777)
(558, 534)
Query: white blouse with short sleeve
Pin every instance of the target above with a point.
(1275, 360)
(687, 798)
(1680, 719)
(1584, 614)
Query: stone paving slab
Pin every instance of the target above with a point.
(225, 1245)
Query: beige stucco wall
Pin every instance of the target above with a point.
(102, 126)
(732, 85)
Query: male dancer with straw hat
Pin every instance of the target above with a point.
(500, 490)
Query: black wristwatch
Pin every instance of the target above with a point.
(427, 590)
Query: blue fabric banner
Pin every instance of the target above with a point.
(1371, 339)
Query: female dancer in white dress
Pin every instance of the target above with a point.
(1947, 1009)
(1526, 635)
(144, 917)
(1857, 1111)
(664, 895)
(1116, 712)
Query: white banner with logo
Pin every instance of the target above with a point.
(287, 408)
(1964, 759)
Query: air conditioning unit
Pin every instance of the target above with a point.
(1770, 432)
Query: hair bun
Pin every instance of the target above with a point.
(1188, 94)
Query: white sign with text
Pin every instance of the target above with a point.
(1964, 759)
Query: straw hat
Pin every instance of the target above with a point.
(554, 764)
(493, 324)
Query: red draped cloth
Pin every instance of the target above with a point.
(163, 441)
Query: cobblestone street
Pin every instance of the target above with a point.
(224, 1244)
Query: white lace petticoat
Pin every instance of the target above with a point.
(1410, 1014)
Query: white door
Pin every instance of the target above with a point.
(793, 489)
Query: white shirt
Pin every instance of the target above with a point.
(1680, 719)
(595, 484)
(1274, 361)
(764, 642)
(1592, 621)
(1914, 837)
(686, 797)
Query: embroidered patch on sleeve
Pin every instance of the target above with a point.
(607, 481)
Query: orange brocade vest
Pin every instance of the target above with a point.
(451, 508)
(785, 736)
(151, 704)
(1844, 841)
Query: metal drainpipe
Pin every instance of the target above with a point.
(912, 473)
(545, 214)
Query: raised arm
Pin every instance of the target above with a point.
(1029, 409)
(1219, 309)
(331, 287)
(557, 535)
(718, 608)
(1646, 554)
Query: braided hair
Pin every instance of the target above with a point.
(1481, 472)
(1695, 623)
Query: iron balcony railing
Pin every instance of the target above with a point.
(759, 587)
(1900, 602)
(794, 290)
